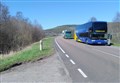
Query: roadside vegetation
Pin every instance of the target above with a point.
(17, 32)
(30, 54)
(118, 45)
(114, 30)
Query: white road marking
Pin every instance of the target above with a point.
(107, 53)
(66, 55)
(84, 75)
(59, 46)
(72, 61)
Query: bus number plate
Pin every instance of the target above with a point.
(99, 42)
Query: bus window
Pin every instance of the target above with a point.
(98, 36)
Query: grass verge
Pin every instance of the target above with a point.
(118, 45)
(31, 54)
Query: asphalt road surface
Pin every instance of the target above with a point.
(89, 63)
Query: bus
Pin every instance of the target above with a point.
(67, 34)
(91, 33)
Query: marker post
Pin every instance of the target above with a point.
(41, 45)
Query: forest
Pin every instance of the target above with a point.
(17, 32)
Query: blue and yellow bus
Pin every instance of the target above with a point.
(91, 33)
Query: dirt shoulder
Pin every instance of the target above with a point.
(50, 69)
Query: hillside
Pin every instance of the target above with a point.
(58, 30)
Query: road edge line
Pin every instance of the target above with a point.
(59, 46)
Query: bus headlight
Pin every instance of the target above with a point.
(93, 40)
(105, 40)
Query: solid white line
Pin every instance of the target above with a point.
(66, 55)
(84, 75)
(72, 61)
(59, 46)
(107, 53)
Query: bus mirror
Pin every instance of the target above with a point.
(110, 36)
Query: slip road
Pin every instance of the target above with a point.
(89, 63)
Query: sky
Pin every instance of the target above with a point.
(52, 13)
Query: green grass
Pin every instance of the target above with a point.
(116, 45)
(31, 54)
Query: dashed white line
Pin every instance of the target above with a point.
(84, 75)
(59, 46)
(66, 55)
(72, 61)
(107, 53)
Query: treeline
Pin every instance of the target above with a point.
(114, 30)
(58, 30)
(16, 32)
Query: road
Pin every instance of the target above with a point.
(89, 63)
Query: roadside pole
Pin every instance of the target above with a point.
(41, 45)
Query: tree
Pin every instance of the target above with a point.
(4, 30)
(17, 32)
(92, 19)
(117, 17)
(4, 13)
(19, 15)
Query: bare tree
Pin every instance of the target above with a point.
(117, 17)
(4, 22)
(16, 32)
(92, 19)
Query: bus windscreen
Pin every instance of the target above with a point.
(100, 27)
(68, 32)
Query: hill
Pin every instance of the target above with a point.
(58, 30)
